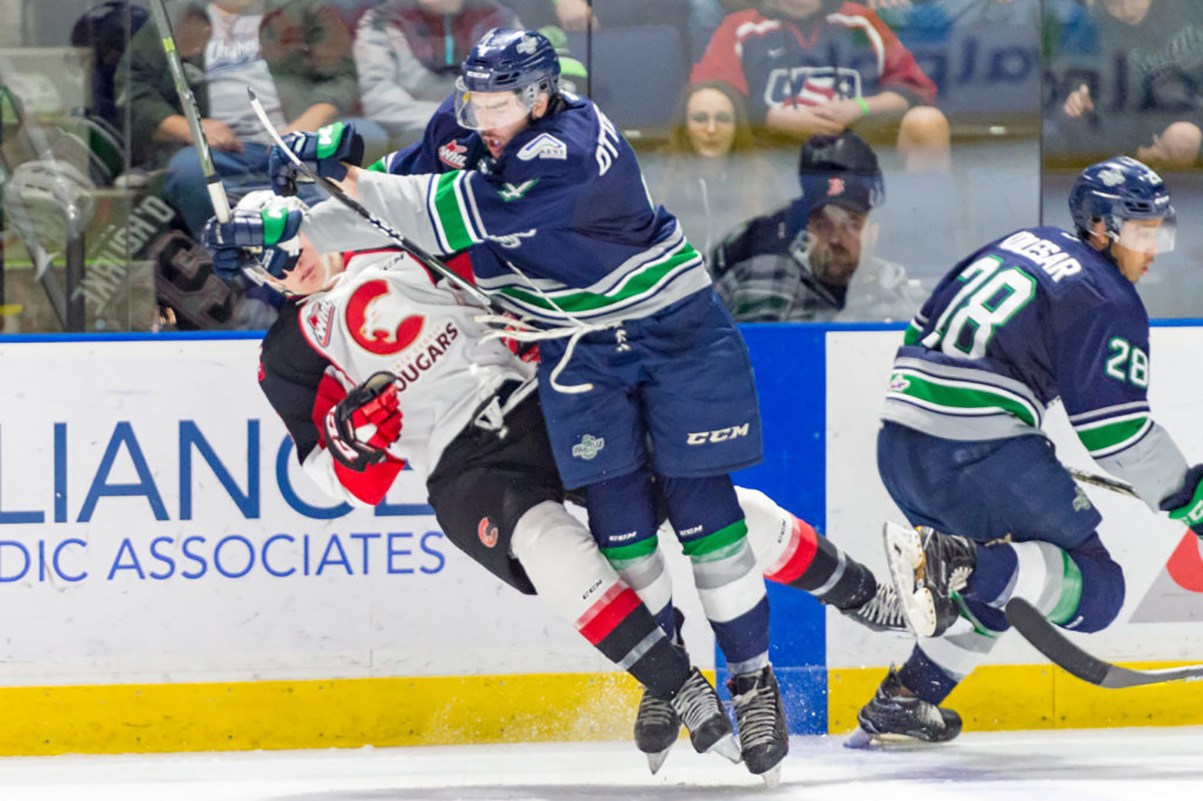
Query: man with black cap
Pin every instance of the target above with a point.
(809, 261)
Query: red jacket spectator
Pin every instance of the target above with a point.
(842, 51)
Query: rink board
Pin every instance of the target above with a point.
(173, 582)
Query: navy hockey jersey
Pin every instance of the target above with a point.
(562, 225)
(1032, 317)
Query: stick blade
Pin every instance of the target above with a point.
(1044, 636)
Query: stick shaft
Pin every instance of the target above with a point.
(1121, 487)
(338, 194)
(217, 192)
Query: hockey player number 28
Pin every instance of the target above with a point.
(992, 295)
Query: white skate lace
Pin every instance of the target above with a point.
(696, 702)
(756, 712)
(883, 609)
(655, 711)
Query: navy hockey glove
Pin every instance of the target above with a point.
(362, 425)
(265, 236)
(323, 152)
(1186, 505)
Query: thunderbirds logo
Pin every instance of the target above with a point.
(588, 448)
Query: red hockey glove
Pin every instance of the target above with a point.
(362, 425)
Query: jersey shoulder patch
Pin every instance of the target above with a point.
(544, 146)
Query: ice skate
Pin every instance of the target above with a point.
(928, 567)
(698, 707)
(657, 728)
(760, 715)
(882, 612)
(891, 715)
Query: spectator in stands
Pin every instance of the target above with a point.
(811, 261)
(713, 178)
(1127, 77)
(695, 19)
(932, 19)
(810, 67)
(296, 54)
(408, 55)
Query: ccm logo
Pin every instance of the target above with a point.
(721, 435)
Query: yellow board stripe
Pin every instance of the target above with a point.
(350, 713)
(1013, 697)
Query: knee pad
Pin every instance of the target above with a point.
(561, 559)
(1102, 588)
(701, 506)
(622, 509)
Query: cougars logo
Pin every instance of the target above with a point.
(835, 187)
(453, 154)
(373, 324)
(487, 532)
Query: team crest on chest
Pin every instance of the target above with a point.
(378, 323)
(544, 146)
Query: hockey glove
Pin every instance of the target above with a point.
(270, 232)
(324, 152)
(1186, 505)
(362, 425)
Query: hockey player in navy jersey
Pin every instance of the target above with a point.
(1037, 315)
(636, 346)
(490, 473)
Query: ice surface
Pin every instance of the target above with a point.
(1101, 764)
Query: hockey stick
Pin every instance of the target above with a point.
(1049, 641)
(217, 192)
(1115, 485)
(336, 191)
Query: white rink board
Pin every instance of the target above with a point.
(357, 596)
(1139, 540)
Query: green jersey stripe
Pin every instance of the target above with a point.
(450, 212)
(641, 282)
(960, 397)
(1113, 434)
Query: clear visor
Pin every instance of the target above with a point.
(1152, 236)
(481, 111)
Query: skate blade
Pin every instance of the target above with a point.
(861, 740)
(656, 761)
(772, 777)
(904, 553)
(728, 747)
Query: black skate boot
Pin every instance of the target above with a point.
(882, 612)
(760, 716)
(928, 567)
(657, 727)
(698, 707)
(890, 713)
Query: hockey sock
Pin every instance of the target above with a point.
(622, 520)
(713, 534)
(569, 573)
(790, 552)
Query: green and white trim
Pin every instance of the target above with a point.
(1108, 431)
(959, 403)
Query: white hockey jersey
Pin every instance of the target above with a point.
(383, 313)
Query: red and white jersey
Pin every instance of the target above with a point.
(383, 313)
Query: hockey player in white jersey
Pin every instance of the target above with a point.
(393, 366)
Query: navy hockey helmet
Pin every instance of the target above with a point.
(505, 60)
(1118, 190)
(840, 169)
